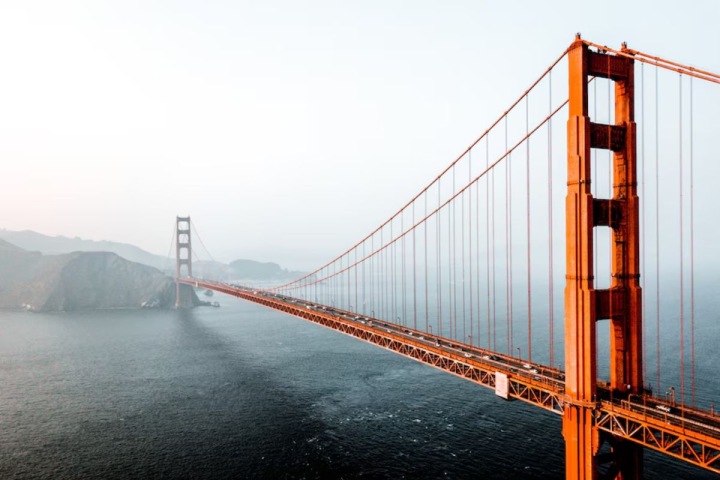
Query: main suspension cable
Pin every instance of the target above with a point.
(658, 62)
(437, 178)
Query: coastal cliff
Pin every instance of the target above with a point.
(81, 281)
(247, 270)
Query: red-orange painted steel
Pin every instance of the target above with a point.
(581, 441)
(183, 256)
(536, 384)
(621, 303)
(591, 409)
(658, 62)
(685, 433)
(626, 360)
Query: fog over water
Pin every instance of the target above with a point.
(244, 392)
(276, 124)
(288, 131)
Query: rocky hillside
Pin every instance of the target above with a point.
(80, 281)
(49, 245)
(249, 270)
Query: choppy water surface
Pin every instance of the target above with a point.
(244, 392)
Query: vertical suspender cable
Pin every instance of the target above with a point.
(682, 264)
(452, 288)
(414, 267)
(393, 273)
(371, 268)
(453, 260)
(427, 306)
(692, 254)
(396, 278)
(362, 284)
(381, 277)
(391, 287)
(374, 278)
(390, 277)
(492, 295)
(344, 283)
(383, 280)
(509, 241)
(508, 267)
(462, 250)
(551, 280)
(349, 283)
(439, 267)
(392, 307)
(342, 286)
(397, 287)
(657, 232)
(470, 257)
(366, 293)
(643, 269)
(384, 277)
(329, 289)
(402, 266)
(477, 256)
(527, 199)
(337, 266)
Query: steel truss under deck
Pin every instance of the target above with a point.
(689, 440)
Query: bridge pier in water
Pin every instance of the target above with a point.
(183, 258)
(584, 304)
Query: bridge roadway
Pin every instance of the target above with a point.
(689, 434)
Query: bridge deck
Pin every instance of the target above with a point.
(688, 434)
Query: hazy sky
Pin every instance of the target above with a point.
(288, 130)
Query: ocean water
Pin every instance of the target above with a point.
(245, 392)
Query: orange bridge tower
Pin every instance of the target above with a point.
(183, 257)
(584, 304)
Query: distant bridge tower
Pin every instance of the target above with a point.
(585, 305)
(183, 257)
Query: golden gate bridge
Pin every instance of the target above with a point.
(467, 276)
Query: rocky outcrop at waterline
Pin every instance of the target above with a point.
(81, 281)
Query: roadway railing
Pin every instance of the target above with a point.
(661, 427)
(688, 434)
(510, 378)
